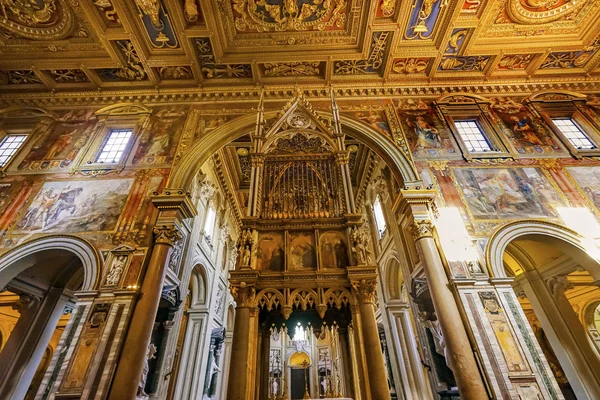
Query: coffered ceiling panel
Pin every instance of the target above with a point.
(79, 45)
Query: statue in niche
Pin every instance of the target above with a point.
(246, 256)
(150, 354)
(275, 388)
(361, 251)
(116, 270)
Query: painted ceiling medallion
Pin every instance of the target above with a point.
(37, 19)
(289, 15)
(542, 11)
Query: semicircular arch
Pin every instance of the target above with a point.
(189, 165)
(84, 250)
(505, 234)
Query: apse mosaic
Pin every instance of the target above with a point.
(76, 206)
(507, 193)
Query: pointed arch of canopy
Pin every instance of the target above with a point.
(183, 174)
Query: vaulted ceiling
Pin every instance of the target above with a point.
(92, 45)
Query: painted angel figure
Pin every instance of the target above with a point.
(427, 136)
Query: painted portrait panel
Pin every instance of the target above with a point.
(57, 143)
(507, 193)
(527, 134)
(588, 179)
(333, 250)
(76, 206)
(302, 253)
(427, 135)
(270, 252)
(159, 139)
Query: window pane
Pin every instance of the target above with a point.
(379, 218)
(573, 133)
(9, 146)
(114, 147)
(472, 136)
(209, 225)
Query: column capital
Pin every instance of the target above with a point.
(422, 229)
(243, 294)
(165, 234)
(365, 290)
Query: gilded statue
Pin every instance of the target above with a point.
(360, 237)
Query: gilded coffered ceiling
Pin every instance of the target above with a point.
(62, 46)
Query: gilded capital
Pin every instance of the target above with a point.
(342, 158)
(365, 290)
(168, 235)
(243, 294)
(422, 229)
(258, 160)
(559, 284)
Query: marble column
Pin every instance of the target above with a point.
(459, 351)
(244, 345)
(359, 369)
(566, 334)
(365, 291)
(174, 206)
(28, 341)
(131, 363)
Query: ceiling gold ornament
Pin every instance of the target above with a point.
(292, 69)
(514, 62)
(542, 11)
(410, 65)
(211, 69)
(18, 77)
(107, 11)
(133, 69)
(387, 7)
(37, 19)
(68, 76)
(175, 73)
(372, 64)
(288, 15)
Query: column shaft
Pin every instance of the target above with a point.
(373, 354)
(462, 360)
(241, 382)
(131, 363)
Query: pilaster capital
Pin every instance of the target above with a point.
(422, 229)
(26, 303)
(365, 290)
(558, 285)
(166, 234)
(243, 294)
(380, 187)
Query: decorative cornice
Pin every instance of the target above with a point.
(223, 94)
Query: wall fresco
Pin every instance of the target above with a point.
(588, 180)
(57, 143)
(158, 142)
(76, 206)
(507, 193)
(427, 135)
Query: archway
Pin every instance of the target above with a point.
(44, 277)
(189, 165)
(553, 275)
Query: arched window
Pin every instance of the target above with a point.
(209, 224)
(379, 218)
